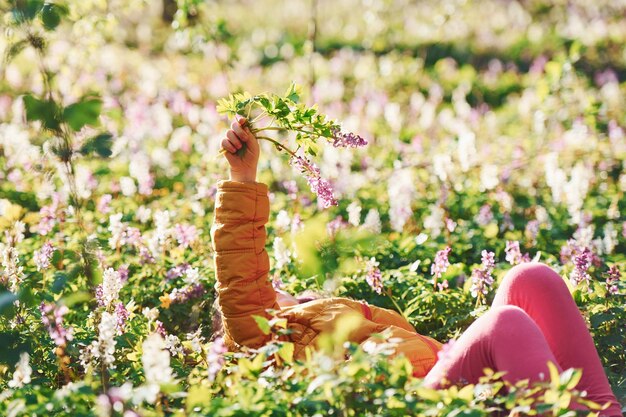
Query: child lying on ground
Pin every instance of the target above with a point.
(533, 318)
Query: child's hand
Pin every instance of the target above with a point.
(242, 152)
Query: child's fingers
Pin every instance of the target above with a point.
(228, 146)
(233, 139)
(241, 134)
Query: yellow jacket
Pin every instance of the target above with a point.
(244, 289)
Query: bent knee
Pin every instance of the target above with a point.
(529, 275)
(511, 320)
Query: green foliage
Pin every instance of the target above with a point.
(286, 113)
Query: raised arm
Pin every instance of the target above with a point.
(238, 233)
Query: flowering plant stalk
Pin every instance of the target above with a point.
(284, 113)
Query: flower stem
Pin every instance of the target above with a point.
(278, 145)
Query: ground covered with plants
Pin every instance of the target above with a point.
(415, 152)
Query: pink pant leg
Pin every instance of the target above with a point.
(544, 296)
(503, 339)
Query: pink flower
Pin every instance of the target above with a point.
(319, 186)
(103, 205)
(613, 277)
(347, 140)
(52, 318)
(185, 234)
(514, 254)
(215, 357)
(481, 277)
(441, 263)
(374, 277)
(43, 256)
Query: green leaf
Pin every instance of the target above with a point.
(76, 298)
(293, 93)
(100, 144)
(44, 110)
(263, 323)
(51, 15)
(25, 11)
(15, 49)
(83, 113)
(6, 302)
(60, 279)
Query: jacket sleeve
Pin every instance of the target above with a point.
(241, 262)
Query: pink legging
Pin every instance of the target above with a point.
(533, 320)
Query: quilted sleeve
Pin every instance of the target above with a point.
(241, 262)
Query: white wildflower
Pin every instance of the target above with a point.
(111, 286)
(283, 221)
(372, 221)
(172, 343)
(442, 163)
(466, 150)
(117, 229)
(401, 189)
(489, 177)
(609, 241)
(11, 273)
(192, 276)
(434, 221)
(281, 253)
(354, 213)
(156, 360)
(22, 373)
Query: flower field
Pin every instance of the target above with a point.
(414, 152)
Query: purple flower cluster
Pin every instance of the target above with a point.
(48, 216)
(43, 256)
(190, 292)
(177, 271)
(122, 315)
(441, 263)
(582, 262)
(374, 277)
(514, 255)
(319, 186)
(185, 234)
(52, 318)
(336, 224)
(347, 140)
(613, 277)
(485, 215)
(482, 280)
(215, 357)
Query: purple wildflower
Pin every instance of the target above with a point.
(613, 277)
(52, 318)
(374, 277)
(347, 140)
(582, 262)
(48, 216)
(103, 205)
(481, 277)
(185, 234)
(43, 256)
(514, 254)
(160, 329)
(215, 357)
(319, 186)
(187, 293)
(177, 271)
(123, 271)
(131, 236)
(485, 215)
(532, 229)
(440, 264)
(333, 226)
(122, 315)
